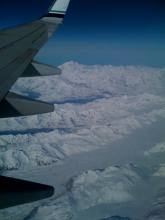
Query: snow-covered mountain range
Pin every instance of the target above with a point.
(89, 82)
(103, 139)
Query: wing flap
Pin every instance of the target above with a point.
(14, 105)
(40, 69)
(15, 192)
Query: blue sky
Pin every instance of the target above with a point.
(116, 32)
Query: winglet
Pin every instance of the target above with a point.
(59, 9)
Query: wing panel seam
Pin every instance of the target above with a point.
(1, 49)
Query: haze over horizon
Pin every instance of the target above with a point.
(98, 32)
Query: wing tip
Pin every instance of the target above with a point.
(58, 9)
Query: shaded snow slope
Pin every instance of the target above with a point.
(73, 129)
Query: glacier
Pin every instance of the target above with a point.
(102, 148)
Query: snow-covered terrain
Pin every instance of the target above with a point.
(102, 149)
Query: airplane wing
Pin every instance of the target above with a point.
(18, 46)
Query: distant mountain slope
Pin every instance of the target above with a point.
(96, 105)
(103, 147)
